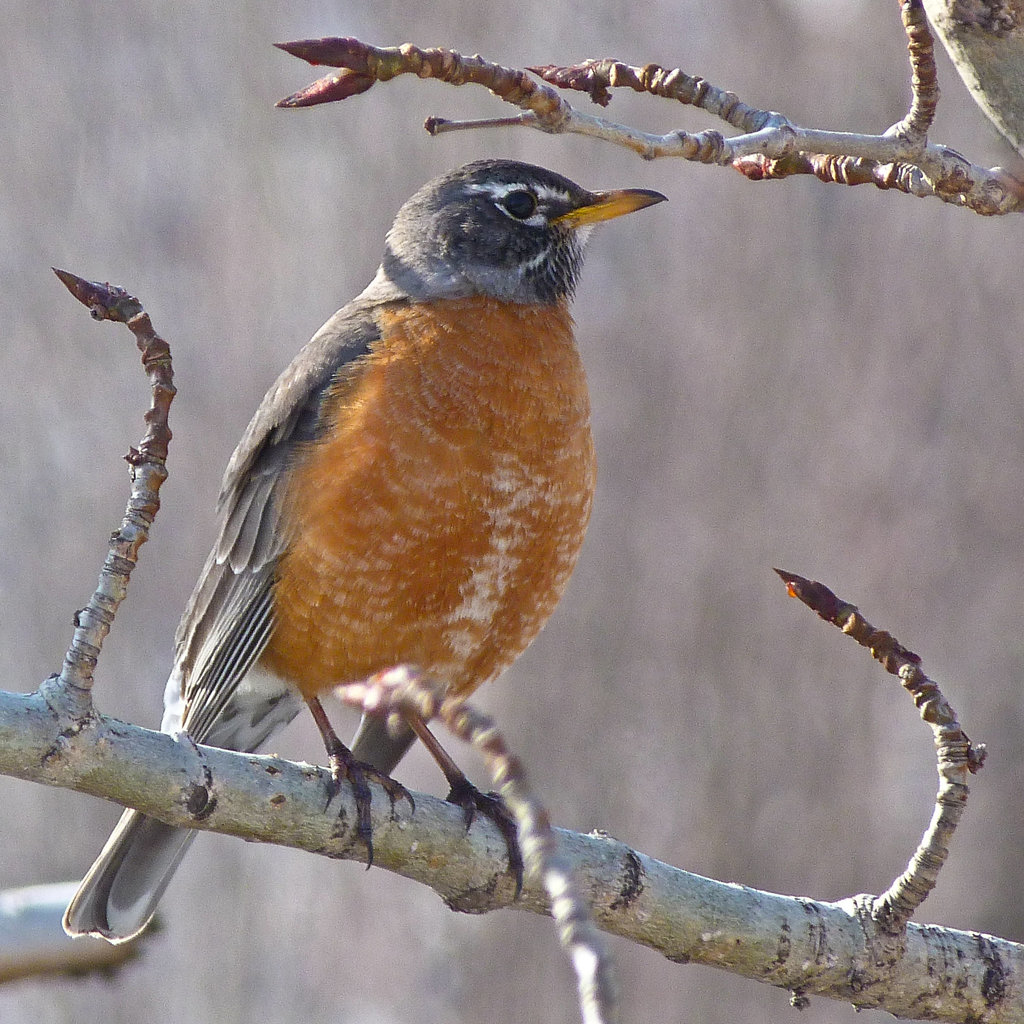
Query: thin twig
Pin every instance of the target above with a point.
(148, 468)
(364, 64)
(407, 692)
(923, 76)
(770, 146)
(957, 756)
(598, 77)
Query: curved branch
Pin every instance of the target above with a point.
(915, 126)
(957, 759)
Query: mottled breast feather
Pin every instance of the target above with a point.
(437, 519)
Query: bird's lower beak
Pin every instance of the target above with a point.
(606, 205)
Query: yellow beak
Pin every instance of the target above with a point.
(606, 205)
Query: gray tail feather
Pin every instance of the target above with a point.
(118, 897)
(375, 745)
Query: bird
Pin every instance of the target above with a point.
(414, 489)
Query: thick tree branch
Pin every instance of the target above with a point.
(769, 146)
(32, 942)
(986, 43)
(795, 943)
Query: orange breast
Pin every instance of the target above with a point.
(440, 518)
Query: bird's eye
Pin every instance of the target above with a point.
(520, 204)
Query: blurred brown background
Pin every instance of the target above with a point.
(821, 378)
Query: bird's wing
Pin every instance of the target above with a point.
(229, 617)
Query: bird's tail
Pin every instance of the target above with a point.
(118, 897)
(376, 745)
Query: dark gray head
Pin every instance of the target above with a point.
(499, 228)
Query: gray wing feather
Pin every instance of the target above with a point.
(229, 618)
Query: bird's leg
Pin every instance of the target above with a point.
(345, 767)
(464, 794)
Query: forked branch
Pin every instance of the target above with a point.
(769, 144)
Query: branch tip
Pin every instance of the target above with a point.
(105, 301)
(440, 125)
(329, 89)
(329, 50)
(817, 597)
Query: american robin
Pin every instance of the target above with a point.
(413, 489)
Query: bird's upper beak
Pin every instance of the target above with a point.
(606, 205)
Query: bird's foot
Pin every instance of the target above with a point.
(358, 774)
(472, 801)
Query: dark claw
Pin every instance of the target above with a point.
(490, 805)
(345, 768)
